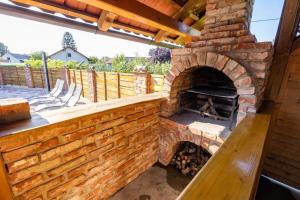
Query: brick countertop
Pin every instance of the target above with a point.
(64, 114)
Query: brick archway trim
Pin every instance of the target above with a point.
(241, 78)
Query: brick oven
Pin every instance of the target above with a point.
(227, 59)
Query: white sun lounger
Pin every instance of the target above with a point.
(58, 81)
(49, 98)
(72, 101)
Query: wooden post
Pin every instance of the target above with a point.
(1, 77)
(92, 85)
(81, 82)
(142, 83)
(105, 85)
(65, 75)
(44, 58)
(74, 76)
(118, 85)
(148, 83)
(28, 76)
(283, 46)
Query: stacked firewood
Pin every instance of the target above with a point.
(208, 109)
(189, 158)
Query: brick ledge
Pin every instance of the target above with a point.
(56, 116)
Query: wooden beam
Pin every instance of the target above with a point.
(197, 25)
(25, 13)
(184, 11)
(56, 8)
(283, 45)
(106, 20)
(137, 11)
(173, 4)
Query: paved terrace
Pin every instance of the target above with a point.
(28, 93)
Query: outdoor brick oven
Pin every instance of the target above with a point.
(225, 47)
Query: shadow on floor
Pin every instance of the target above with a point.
(269, 190)
(158, 182)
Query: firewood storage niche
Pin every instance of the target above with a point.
(211, 94)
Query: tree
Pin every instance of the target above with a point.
(68, 41)
(119, 63)
(3, 49)
(93, 59)
(160, 55)
(37, 55)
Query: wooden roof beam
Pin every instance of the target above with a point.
(56, 8)
(138, 11)
(197, 25)
(183, 12)
(106, 20)
(26, 13)
(173, 3)
(53, 7)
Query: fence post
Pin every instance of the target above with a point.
(105, 86)
(142, 83)
(1, 77)
(28, 76)
(92, 84)
(119, 85)
(148, 83)
(65, 75)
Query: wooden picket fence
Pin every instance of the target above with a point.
(97, 86)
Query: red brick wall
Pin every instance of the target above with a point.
(90, 157)
(227, 45)
(172, 133)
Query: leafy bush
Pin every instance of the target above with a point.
(37, 55)
(52, 64)
(55, 63)
(119, 64)
(99, 64)
(158, 68)
(34, 63)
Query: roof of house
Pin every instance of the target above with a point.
(162, 20)
(68, 48)
(20, 56)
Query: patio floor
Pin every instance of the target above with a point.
(28, 93)
(158, 182)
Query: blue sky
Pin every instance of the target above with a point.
(24, 36)
(266, 9)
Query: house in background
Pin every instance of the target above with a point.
(14, 57)
(69, 54)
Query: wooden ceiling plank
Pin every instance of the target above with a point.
(173, 4)
(25, 13)
(78, 14)
(137, 11)
(106, 20)
(184, 11)
(58, 9)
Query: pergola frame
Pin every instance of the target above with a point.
(167, 26)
